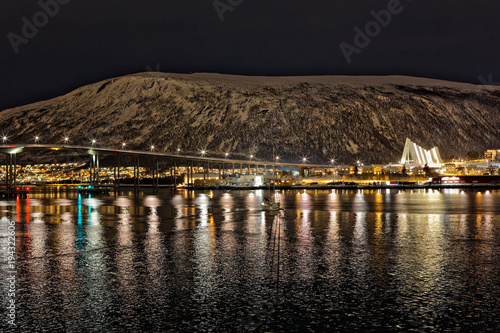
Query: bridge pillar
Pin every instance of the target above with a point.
(138, 175)
(98, 170)
(175, 174)
(15, 170)
(157, 182)
(91, 170)
(117, 180)
(192, 174)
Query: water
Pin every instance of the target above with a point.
(381, 261)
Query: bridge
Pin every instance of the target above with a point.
(176, 160)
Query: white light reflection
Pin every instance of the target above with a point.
(251, 201)
(226, 203)
(152, 202)
(94, 213)
(203, 203)
(123, 203)
(178, 202)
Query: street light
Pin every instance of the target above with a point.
(4, 139)
(37, 138)
(124, 145)
(227, 155)
(152, 147)
(94, 142)
(66, 139)
(203, 152)
(251, 156)
(304, 159)
(178, 151)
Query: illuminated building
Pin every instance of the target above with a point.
(415, 154)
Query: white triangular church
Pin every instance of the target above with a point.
(415, 154)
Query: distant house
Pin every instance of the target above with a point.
(392, 170)
(450, 168)
(368, 170)
(344, 170)
(418, 171)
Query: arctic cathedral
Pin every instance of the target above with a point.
(415, 154)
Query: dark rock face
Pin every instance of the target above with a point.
(348, 118)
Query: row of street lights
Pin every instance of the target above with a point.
(203, 152)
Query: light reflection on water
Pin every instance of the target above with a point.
(386, 260)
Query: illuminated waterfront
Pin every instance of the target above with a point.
(386, 260)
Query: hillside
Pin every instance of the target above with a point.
(348, 118)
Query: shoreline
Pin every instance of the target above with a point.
(61, 187)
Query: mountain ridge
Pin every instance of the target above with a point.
(322, 117)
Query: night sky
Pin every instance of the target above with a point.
(84, 41)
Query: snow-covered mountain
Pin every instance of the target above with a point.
(349, 118)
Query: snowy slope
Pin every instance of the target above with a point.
(348, 118)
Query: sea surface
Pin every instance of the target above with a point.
(201, 261)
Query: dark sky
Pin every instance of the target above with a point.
(89, 40)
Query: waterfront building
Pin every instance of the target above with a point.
(492, 154)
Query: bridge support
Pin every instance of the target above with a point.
(156, 181)
(11, 171)
(175, 174)
(192, 174)
(137, 180)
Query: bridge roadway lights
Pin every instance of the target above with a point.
(13, 150)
